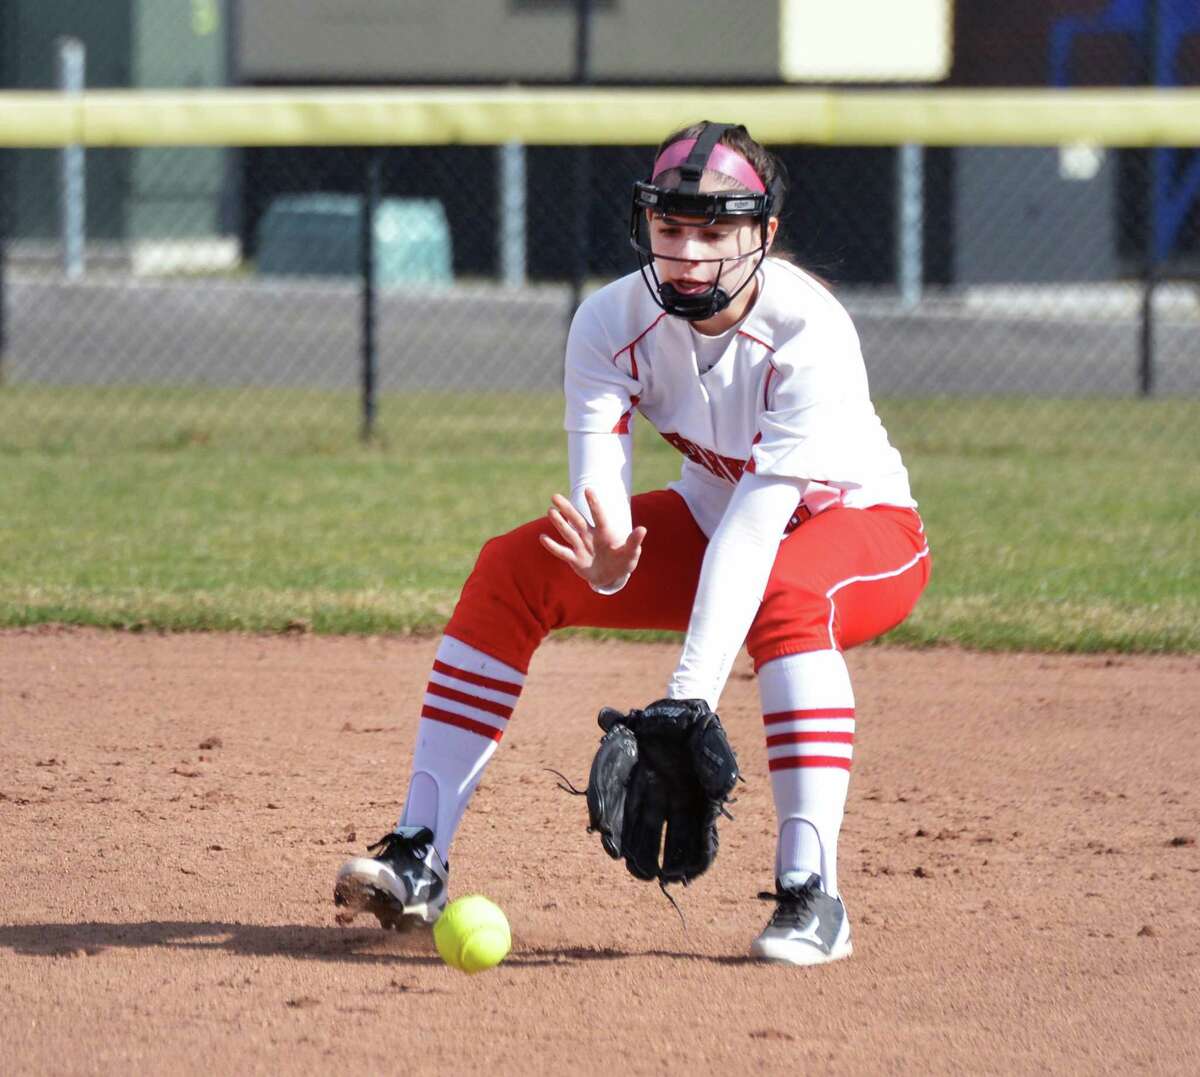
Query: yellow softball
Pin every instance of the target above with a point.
(472, 934)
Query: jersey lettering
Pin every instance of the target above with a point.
(729, 468)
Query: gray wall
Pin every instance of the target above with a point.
(465, 40)
(1023, 214)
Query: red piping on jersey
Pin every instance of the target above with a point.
(767, 387)
(622, 426)
(750, 465)
(637, 340)
(751, 336)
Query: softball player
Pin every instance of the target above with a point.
(791, 529)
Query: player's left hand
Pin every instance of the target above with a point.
(594, 551)
(668, 766)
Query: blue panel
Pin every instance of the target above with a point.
(1177, 19)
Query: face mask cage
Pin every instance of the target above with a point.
(702, 210)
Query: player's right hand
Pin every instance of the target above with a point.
(598, 555)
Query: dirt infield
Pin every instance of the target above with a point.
(1021, 863)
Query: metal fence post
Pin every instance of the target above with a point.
(372, 185)
(1149, 281)
(72, 176)
(910, 220)
(512, 214)
(582, 159)
(1154, 183)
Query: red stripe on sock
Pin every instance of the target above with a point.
(809, 738)
(477, 678)
(800, 716)
(793, 761)
(469, 724)
(498, 709)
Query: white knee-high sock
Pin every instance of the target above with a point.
(808, 713)
(468, 701)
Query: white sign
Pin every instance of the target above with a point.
(866, 40)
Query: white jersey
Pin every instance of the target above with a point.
(783, 394)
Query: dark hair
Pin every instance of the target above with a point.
(769, 168)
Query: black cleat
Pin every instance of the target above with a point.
(403, 883)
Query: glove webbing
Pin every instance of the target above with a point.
(567, 786)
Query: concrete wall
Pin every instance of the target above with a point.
(468, 40)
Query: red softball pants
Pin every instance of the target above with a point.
(843, 577)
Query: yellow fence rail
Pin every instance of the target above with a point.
(460, 116)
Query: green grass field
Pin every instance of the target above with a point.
(1068, 526)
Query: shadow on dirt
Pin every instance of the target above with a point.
(348, 945)
(571, 954)
(261, 940)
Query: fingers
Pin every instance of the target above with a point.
(575, 549)
(576, 519)
(598, 516)
(560, 551)
(571, 525)
(590, 549)
(597, 567)
(580, 543)
(570, 513)
(633, 546)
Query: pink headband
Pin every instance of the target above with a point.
(722, 159)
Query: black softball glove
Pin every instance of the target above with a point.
(667, 765)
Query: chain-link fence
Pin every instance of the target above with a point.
(208, 284)
(1020, 274)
